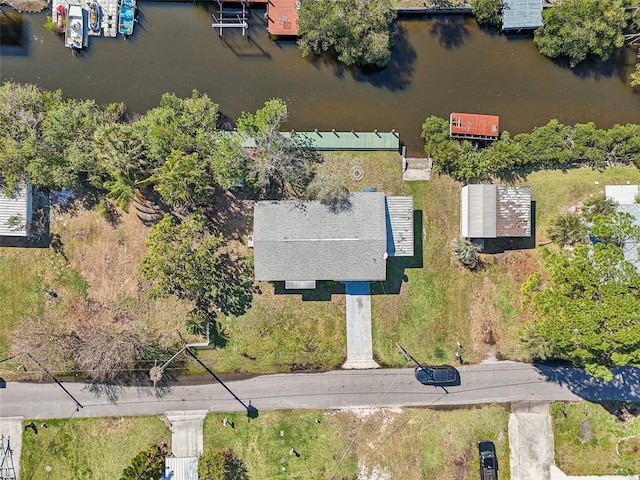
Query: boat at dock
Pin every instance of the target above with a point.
(60, 18)
(94, 17)
(127, 17)
(76, 35)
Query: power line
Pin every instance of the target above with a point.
(348, 449)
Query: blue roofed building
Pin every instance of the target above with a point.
(521, 14)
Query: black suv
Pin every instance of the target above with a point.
(441, 375)
(488, 460)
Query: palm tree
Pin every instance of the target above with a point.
(598, 205)
(567, 230)
(467, 252)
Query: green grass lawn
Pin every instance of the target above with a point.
(428, 303)
(585, 437)
(554, 190)
(21, 293)
(95, 448)
(397, 443)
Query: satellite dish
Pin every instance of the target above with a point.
(385, 256)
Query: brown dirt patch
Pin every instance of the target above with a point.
(482, 311)
(107, 256)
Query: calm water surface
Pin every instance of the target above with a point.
(440, 64)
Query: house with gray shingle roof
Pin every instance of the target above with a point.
(301, 242)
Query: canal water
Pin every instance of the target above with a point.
(440, 64)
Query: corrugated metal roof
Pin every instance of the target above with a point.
(474, 126)
(16, 212)
(513, 211)
(478, 211)
(521, 14)
(492, 211)
(400, 226)
(181, 468)
(622, 194)
(630, 248)
(305, 240)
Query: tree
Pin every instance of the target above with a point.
(147, 465)
(186, 260)
(279, 165)
(358, 32)
(221, 465)
(185, 124)
(577, 28)
(438, 144)
(567, 230)
(587, 311)
(616, 228)
(330, 190)
(184, 180)
(467, 252)
(488, 12)
(597, 205)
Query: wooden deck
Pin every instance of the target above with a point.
(282, 17)
(373, 141)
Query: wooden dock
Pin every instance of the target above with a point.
(373, 141)
(282, 17)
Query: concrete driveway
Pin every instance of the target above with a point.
(359, 347)
(530, 441)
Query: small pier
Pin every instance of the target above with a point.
(333, 140)
(282, 17)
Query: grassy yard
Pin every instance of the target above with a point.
(428, 303)
(387, 443)
(96, 448)
(586, 435)
(554, 191)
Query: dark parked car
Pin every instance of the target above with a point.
(488, 460)
(440, 375)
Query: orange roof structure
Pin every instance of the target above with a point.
(282, 17)
(474, 126)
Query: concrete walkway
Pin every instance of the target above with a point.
(186, 432)
(11, 429)
(359, 347)
(531, 443)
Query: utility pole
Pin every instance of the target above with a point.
(408, 355)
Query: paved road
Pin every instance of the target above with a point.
(484, 383)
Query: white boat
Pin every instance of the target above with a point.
(76, 36)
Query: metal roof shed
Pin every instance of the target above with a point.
(521, 14)
(399, 226)
(492, 211)
(478, 211)
(622, 194)
(306, 240)
(16, 211)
